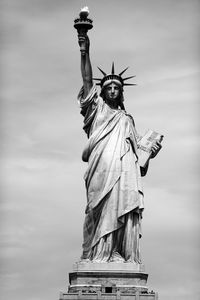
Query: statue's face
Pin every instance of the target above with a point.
(112, 92)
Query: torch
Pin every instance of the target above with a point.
(82, 25)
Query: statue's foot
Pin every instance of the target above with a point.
(116, 257)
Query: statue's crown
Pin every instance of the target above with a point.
(109, 78)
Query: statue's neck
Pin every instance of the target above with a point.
(112, 104)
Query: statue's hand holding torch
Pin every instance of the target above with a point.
(84, 43)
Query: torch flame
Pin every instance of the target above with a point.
(85, 9)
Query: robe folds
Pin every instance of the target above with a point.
(112, 179)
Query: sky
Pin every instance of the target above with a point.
(42, 189)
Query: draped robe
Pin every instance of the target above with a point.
(113, 182)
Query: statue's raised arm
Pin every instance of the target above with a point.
(86, 68)
(83, 24)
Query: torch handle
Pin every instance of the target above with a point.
(82, 33)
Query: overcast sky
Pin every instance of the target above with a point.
(42, 188)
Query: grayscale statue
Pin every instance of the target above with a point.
(112, 227)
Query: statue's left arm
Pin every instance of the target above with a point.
(156, 147)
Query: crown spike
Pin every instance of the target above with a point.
(102, 71)
(130, 84)
(128, 78)
(113, 69)
(120, 74)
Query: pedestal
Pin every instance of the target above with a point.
(113, 280)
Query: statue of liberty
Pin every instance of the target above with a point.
(112, 227)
